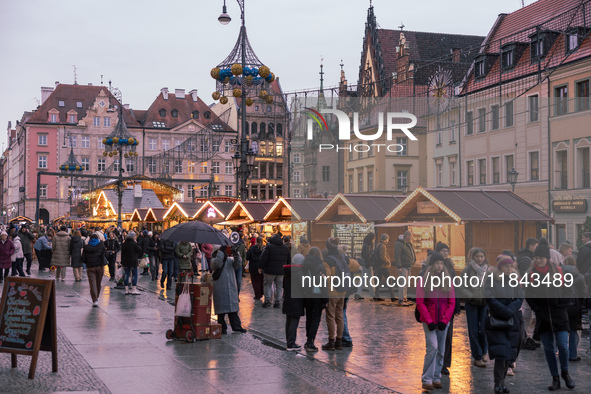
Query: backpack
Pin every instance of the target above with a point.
(374, 257)
(342, 271)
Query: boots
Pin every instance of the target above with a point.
(555, 383)
(134, 291)
(127, 290)
(329, 345)
(338, 344)
(567, 380)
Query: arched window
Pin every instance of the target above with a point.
(262, 149)
(254, 128)
(207, 115)
(279, 130)
(272, 129)
(195, 114)
(262, 128)
(162, 112)
(174, 113)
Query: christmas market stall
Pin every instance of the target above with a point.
(155, 219)
(180, 212)
(138, 216)
(215, 210)
(493, 220)
(249, 214)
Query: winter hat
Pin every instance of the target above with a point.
(131, 234)
(4, 233)
(145, 232)
(304, 240)
(385, 237)
(435, 257)
(509, 253)
(542, 250)
(439, 246)
(150, 234)
(332, 243)
(503, 260)
(298, 259)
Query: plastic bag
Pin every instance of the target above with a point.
(144, 262)
(183, 302)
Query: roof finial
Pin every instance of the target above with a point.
(370, 4)
(321, 73)
(341, 64)
(75, 77)
(401, 27)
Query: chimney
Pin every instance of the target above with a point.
(45, 93)
(164, 93)
(57, 83)
(137, 190)
(179, 93)
(193, 93)
(455, 54)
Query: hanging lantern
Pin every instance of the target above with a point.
(216, 95)
(249, 102)
(249, 80)
(237, 93)
(215, 73)
(269, 99)
(223, 100)
(236, 69)
(263, 94)
(264, 71)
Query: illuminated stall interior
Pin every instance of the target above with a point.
(180, 212)
(213, 212)
(305, 212)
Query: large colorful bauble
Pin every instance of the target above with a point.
(263, 94)
(269, 99)
(237, 93)
(264, 71)
(224, 100)
(115, 140)
(249, 102)
(270, 78)
(104, 141)
(236, 69)
(215, 73)
(216, 95)
(131, 140)
(249, 80)
(105, 153)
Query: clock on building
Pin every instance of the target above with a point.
(440, 91)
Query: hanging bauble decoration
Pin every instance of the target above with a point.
(235, 81)
(269, 99)
(110, 154)
(264, 71)
(105, 153)
(257, 81)
(246, 71)
(115, 152)
(237, 93)
(254, 71)
(215, 73)
(77, 168)
(126, 155)
(104, 141)
(236, 69)
(224, 100)
(249, 80)
(270, 78)
(216, 95)
(115, 140)
(226, 80)
(131, 141)
(263, 94)
(249, 102)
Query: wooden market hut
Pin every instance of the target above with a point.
(213, 212)
(105, 207)
(155, 218)
(250, 213)
(138, 215)
(180, 212)
(493, 220)
(351, 217)
(21, 219)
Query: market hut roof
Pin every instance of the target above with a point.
(187, 209)
(21, 219)
(155, 214)
(360, 207)
(129, 202)
(469, 205)
(300, 209)
(245, 212)
(139, 214)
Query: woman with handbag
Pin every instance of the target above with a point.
(503, 323)
(225, 291)
(436, 305)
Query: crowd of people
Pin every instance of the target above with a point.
(503, 315)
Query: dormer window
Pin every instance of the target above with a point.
(195, 114)
(78, 104)
(174, 113)
(511, 53)
(541, 42)
(53, 118)
(71, 118)
(483, 64)
(574, 37)
(507, 58)
(207, 115)
(162, 113)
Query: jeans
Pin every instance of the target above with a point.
(269, 280)
(154, 266)
(313, 318)
(500, 371)
(435, 344)
(573, 343)
(29, 258)
(95, 277)
(346, 336)
(112, 259)
(476, 317)
(167, 272)
(291, 329)
(17, 267)
(77, 273)
(176, 267)
(238, 272)
(561, 338)
(382, 274)
(130, 271)
(403, 290)
(334, 318)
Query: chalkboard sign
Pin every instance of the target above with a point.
(27, 319)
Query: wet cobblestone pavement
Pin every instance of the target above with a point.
(120, 347)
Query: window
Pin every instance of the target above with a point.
(191, 191)
(402, 141)
(438, 137)
(479, 69)
(254, 128)
(370, 151)
(351, 152)
(561, 100)
(101, 165)
(270, 149)
(85, 141)
(130, 165)
(297, 193)
(215, 167)
(296, 158)
(582, 95)
(165, 145)
(562, 169)
(228, 190)
(509, 114)
(116, 165)
(78, 104)
(583, 163)
(204, 145)
(107, 122)
(174, 113)
(204, 191)
(279, 130)
(71, 118)
(279, 149)
(152, 165)
(452, 132)
(470, 172)
(469, 123)
(574, 38)
(360, 182)
(534, 166)
(369, 181)
(452, 173)
(537, 48)
(43, 191)
(42, 162)
(229, 168)
(204, 167)
(439, 175)
(534, 108)
(228, 147)
(326, 173)
(99, 143)
(207, 115)
(195, 114)
(262, 128)
(495, 117)
(96, 121)
(178, 166)
(72, 141)
(401, 179)
(296, 176)
(482, 171)
(53, 118)
(481, 120)
(507, 58)
(162, 113)
(350, 183)
(152, 144)
(496, 170)
(86, 163)
(61, 103)
(177, 142)
(42, 139)
(509, 165)
(256, 107)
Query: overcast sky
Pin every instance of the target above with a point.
(144, 45)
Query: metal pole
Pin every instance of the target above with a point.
(37, 198)
(244, 173)
(119, 191)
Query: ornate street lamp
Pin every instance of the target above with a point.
(404, 188)
(512, 178)
(71, 166)
(120, 143)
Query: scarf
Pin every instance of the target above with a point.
(93, 242)
(540, 270)
(480, 270)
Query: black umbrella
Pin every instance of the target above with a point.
(196, 232)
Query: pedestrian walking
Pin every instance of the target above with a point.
(27, 239)
(148, 248)
(304, 246)
(315, 295)
(366, 266)
(225, 292)
(43, 250)
(576, 305)
(436, 306)
(476, 305)
(60, 257)
(76, 245)
(113, 247)
(274, 257)
(17, 257)
(254, 259)
(503, 326)
(347, 340)
(167, 252)
(382, 267)
(94, 256)
(548, 302)
(131, 252)
(155, 266)
(404, 259)
(293, 303)
(6, 252)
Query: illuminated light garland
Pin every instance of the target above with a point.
(239, 205)
(204, 206)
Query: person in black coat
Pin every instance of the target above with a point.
(504, 303)
(315, 295)
(94, 256)
(113, 247)
(147, 244)
(167, 253)
(293, 303)
(131, 252)
(576, 301)
(253, 256)
(76, 245)
(583, 258)
(274, 257)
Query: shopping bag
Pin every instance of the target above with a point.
(144, 262)
(183, 302)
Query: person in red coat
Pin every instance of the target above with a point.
(6, 252)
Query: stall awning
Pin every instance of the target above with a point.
(417, 224)
(236, 222)
(21, 219)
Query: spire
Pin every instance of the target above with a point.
(321, 75)
(321, 98)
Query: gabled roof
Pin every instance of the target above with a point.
(187, 209)
(129, 203)
(367, 208)
(70, 95)
(139, 214)
(308, 208)
(253, 211)
(155, 214)
(470, 205)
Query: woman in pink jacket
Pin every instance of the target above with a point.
(435, 304)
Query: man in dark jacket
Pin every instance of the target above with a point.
(404, 259)
(524, 259)
(94, 256)
(382, 267)
(293, 304)
(26, 238)
(583, 259)
(147, 244)
(113, 247)
(274, 257)
(131, 252)
(167, 251)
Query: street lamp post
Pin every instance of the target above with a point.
(212, 187)
(512, 178)
(69, 167)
